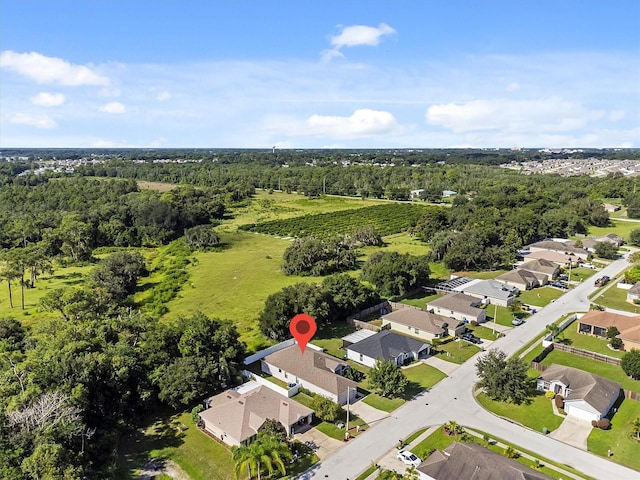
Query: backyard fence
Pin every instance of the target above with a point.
(383, 307)
(632, 395)
(538, 366)
(586, 353)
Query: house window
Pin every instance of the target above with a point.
(417, 331)
(360, 357)
(279, 370)
(451, 312)
(286, 375)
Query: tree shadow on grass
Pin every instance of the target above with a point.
(158, 432)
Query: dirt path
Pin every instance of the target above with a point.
(153, 468)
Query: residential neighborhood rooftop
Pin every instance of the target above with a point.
(459, 302)
(472, 461)
(488, 288)
(422, 320)
(388, 345)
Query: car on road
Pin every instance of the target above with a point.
(408, 458)
(516, 322)
(602, 281)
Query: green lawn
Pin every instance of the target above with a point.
(420, 300)
(614, 297)
(504, 315)
(619, 439)
(580, 274)
(200, 456)
(382, 403)
(457, 351)
(483, 331)
(537, 415)
(612, 372)
(570, 336)
(484, 275)
(540, 297)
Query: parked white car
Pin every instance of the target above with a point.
(408, 458)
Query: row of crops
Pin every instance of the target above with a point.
(387, 219)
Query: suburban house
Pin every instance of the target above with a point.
(422, 324)
(472, 461)
(448, 193)
(356, 337)
(633, 294)
(586, 396)
(610, 207)
(560, 259)
(459, 306)
(559, 246)
(543, 266)
(523, 279)
(490, 291)
(612, 238)
(387, 345)
(314, 370)
(596, 323)
(416, 193)
(236, 416)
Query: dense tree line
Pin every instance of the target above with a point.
(337, 297)
(395, 274)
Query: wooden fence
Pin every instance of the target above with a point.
(384, 307)
(586, 353)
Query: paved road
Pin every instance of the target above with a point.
(452, 399)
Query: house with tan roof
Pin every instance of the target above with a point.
(422, 324)
(314, 370)
(586, 396)
(523, 279)
(564, 247)
(472, 461)
(541, 266)
(459, 306)
(236, 416)
(560, 259)
(596, 322)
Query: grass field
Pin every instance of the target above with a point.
(537, 415)
(61, 278)
(619, 438)
(420, 300)
(619, 227)
(234, 283)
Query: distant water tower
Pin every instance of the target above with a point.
(273, 149)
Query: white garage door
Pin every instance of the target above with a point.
(580, 413)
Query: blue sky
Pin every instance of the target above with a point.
(319, 74)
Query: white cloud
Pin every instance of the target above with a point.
(513, 87)
(362, 123)
(113, 107)
(47, 70)
(546, 115)
(38, 121)
(45, 99)
(617, 115)
(163, 96)
(355, 35)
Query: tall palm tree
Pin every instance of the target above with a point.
(264, 453)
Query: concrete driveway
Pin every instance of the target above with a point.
(442, 365)
(324, 445)
(367, 412)
(574, 432)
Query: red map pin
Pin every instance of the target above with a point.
(303, 328)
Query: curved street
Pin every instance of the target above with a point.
(452, 399)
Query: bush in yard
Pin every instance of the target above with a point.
(630, 363)
(559, 401)
(326, 409)
(615, 343)
(549, 394)
(510, 452)
(603, 424)
(195, 418)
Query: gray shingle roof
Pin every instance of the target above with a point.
(387, 345)
(595, 390)
(472, 461)
(489, 288)
(422, 320)
(458, 302)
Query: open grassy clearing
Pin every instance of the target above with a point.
(619, 227)
(536, 415)
(619, 438)
(279, 205)
(540, 297)
(62, 277)
(233, 283)
(157, 186)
